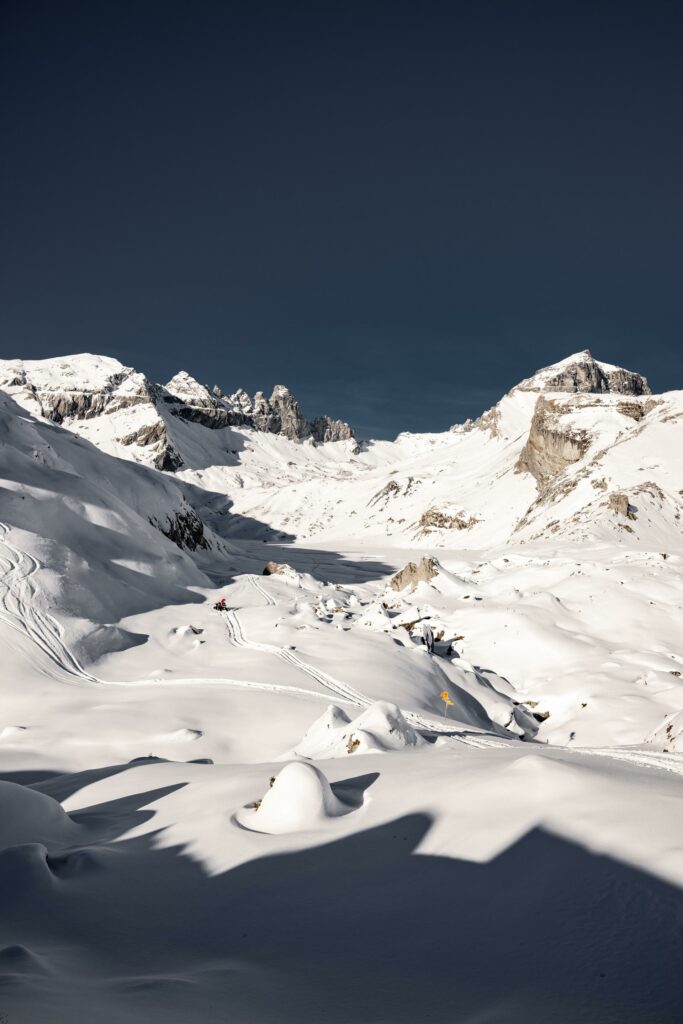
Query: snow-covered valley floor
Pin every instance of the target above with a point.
(459, 874)
(357, 792)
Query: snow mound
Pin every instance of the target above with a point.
(299, 799)
(11, 731)
(379, 728)
(27, 816)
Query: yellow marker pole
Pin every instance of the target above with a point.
(448, 703)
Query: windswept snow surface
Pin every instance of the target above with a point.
(268, 813)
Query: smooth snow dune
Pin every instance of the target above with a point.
(27, 816)
(130, 926)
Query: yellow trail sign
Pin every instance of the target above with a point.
(445, 697)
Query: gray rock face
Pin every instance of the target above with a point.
(549, 448)
(155, 435)
(579, 374)
(325, 429)
(413, 573)
(82, 401)
(620, 504)
(282, 414)
(279, 414)
(184, 528)
(585, 374)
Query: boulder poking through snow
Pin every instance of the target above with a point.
(277, 569)
(299, 799)
(620, 504)
(413, 573)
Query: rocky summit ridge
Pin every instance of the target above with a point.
(141, 414)
(563, 453)
(582, 373)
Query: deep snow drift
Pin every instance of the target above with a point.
(429, 767)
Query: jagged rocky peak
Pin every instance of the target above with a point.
(279, 414)
(282, 414)
(241, 401)
(188, 390)
(191, 401)
(582, 373)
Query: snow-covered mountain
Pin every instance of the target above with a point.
(123, 412)
(581, 449)
(248, 657)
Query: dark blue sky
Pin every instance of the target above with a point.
(397, 209)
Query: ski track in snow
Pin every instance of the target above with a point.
(261, 590)
(20, 609)
(336, 686)
(640, 758)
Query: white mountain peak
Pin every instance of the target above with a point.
(582, 372)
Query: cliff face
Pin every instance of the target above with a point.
(550, 447)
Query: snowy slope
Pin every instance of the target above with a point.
(268, 812)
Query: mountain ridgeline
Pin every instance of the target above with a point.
(82, 387)
(581, 450)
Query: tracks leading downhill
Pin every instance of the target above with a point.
(341, 689)
(22, 608)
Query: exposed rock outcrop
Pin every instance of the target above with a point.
(279, 414)
(150, 433)
(619, 503)
(155, 435)
(413, 573)
(78, 387)
(581, 372)
(324, 429)
(550, 448)
(83, 387)
(435, 519)
(184, 528)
